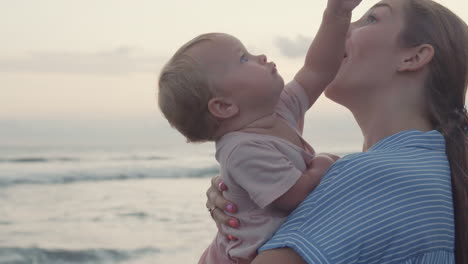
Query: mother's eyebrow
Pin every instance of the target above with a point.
(382, 5)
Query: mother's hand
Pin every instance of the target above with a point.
(217, 204)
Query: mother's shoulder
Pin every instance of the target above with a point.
(392, 166)
(354, 160)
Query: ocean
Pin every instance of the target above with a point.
(115, 202)
(104, 205)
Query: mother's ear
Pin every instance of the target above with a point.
(416, 58)
(222, 108)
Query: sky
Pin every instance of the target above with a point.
(88, 60)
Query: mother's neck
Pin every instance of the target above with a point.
(389, 115)
(375, 128)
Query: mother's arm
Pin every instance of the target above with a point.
(279, 256)
(216, 200)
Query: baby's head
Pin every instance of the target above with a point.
(212, 80)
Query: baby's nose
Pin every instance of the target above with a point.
(262, 59)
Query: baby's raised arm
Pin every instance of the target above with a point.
(327, 50)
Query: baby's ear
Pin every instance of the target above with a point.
(222, 108)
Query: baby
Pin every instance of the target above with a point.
(213, 89)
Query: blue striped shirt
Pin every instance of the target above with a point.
(391, 204)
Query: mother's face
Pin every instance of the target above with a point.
(372, 54)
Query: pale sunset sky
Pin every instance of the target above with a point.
(99, 59)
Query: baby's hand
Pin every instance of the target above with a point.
(342, 7)
(321, 163)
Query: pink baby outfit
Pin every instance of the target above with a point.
(258, 169)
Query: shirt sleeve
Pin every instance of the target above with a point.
(432, 257)
(262, 171)
(312, 254)
(308, 250)
(293, 104)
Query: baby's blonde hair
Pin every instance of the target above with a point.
(184, 93)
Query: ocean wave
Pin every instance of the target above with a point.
(15, 255)
(139, 215)
(33, 159)
(108, 175)
(38, 160)
(137, 158)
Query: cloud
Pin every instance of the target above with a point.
(293, 48)
(118, 61)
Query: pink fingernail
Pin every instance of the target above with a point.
(233, 223)
(230, 208)
(222, 186)
(233, 238)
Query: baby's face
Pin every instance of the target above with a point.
(247, 79)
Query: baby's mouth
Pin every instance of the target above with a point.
(273, 68)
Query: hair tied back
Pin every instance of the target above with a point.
(462, 116)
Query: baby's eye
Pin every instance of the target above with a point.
(371, 19)
(244, 58)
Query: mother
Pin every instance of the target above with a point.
(404, 78)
